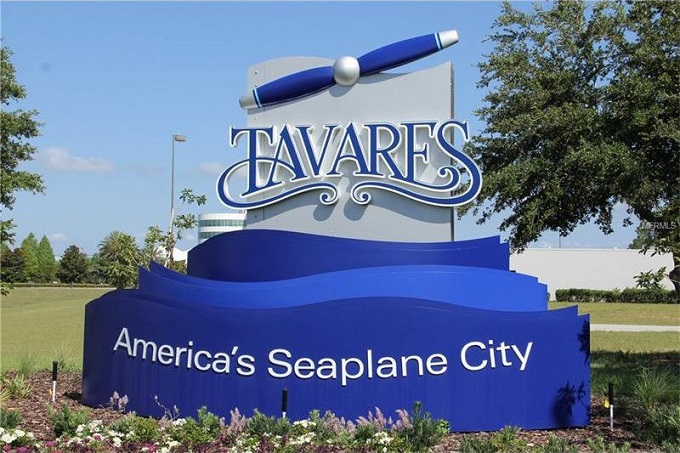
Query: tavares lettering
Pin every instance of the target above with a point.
(384, 156)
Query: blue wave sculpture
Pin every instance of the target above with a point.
(289, 254)
(464, 286)
(346, 325)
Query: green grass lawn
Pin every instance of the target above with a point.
(644, 314)
(39, 325)
(637, 342)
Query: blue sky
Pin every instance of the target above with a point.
(113, 81)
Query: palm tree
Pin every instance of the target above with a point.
(121, 256)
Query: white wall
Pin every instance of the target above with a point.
(588, 268)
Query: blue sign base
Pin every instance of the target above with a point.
(476, 345)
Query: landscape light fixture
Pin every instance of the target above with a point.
(55, 366)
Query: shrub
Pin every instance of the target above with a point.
(122, 425)
(16, 386)
(142, 429)
(656, 403)
(598, 445)
(556, 445)
(506, 440)
(62, 285)
(424, 432)
(471, 445)
(628, 295)
(653, 387)
(260, 425)
(670, 447)
(9, 418)
(587, 295)
(664, 425)
(66, 421)
(328, 427)
(646, 296)
(364, 432)
(4, 393)
(192, 431)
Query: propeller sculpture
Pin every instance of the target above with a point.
(346, 71)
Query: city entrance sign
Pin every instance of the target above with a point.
(345, 288)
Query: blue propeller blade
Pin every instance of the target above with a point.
(347, 70)
(399, 53)
(293, 86)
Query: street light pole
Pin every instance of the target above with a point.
(175, 138)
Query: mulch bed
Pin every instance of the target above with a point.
(34, 411)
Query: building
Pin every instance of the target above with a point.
(589, 268)
(210, 225)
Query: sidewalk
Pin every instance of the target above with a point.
(632, 328)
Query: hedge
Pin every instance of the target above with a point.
(628, 295)
(60, 285)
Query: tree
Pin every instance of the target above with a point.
(72, 266)
(11, 265)
(642, 237)
(47, 263)
(29, 249)
(18, 126)
(582, 113)
(159, 245)
(121, 256)
(96, 270)
(648, 238)
(650, 280)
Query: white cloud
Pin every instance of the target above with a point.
(212, 168)
(60, 159)
(57, 237)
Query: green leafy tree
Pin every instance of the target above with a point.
(96, 270)
(647, 239)
(121, 257)
(11, 265)
(47, 263)
(18, 126)
(650, 279)
(29, 249)
(582, 112)
(72, 266)
(154, 246)
(645, 116)
(159, 244)
(641, 237)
